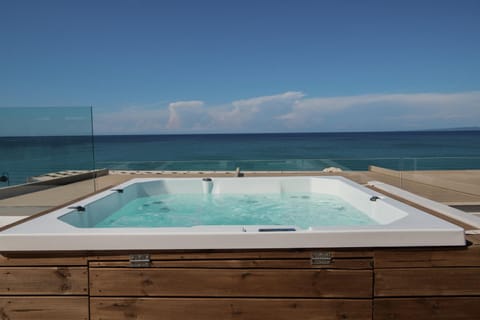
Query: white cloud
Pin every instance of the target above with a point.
(383, 111)
(255, 113)
(291, 111)
(186, 104)
(130, 120)
(183, 113)
(259, 101)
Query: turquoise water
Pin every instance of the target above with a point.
(186, 210)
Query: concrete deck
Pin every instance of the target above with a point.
(460, 189)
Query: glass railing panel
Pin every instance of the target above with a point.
(200, 165)
(397, 164)
(36, 141)
(444, 163)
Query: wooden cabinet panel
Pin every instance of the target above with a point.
(43, 281)
(427, 308)
(208, 309)
(44, 308)
(183, 282)
(427, 282)
(428, 258)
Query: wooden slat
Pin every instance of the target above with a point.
(230, 282)
(208, 309)
(43, 281)
(427, 282)
(354, 264)
(232, 254)
(427, 308)
(475, 239)
(42, 259)
(205, 255)
(432, 257)
(44, 308)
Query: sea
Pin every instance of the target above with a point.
(24, 157)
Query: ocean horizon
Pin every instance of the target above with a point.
(23, 157)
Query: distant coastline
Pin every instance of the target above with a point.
(459, 129)
(173, 133)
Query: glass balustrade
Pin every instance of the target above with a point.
(35, 141)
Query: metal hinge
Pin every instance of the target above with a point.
(140, 260)
(321, 257)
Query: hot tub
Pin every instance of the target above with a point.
(232, 213)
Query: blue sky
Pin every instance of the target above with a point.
(246, 66)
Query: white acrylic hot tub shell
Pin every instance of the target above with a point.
(398, 225)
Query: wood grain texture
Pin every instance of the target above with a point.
(43, 281)
(427, 282)
(427, 308)
(44, 308)
(474, 239)
(231, 282)
(43, 259)
(354, 264)
(208, 309)
(231, 254)
(427, 258)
